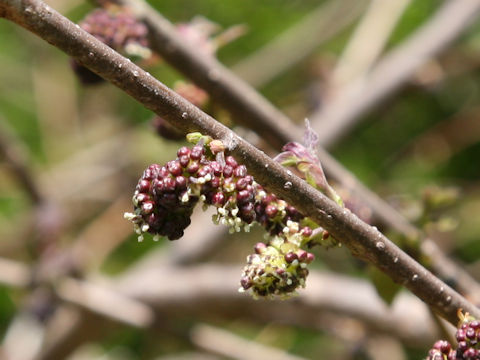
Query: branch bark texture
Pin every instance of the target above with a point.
(364, 241)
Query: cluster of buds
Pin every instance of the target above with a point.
(118, 28)
(276, 269)
(468, 338)
(166, 195)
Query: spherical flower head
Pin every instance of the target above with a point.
(277, 269)
(162, 204)
(117, 27)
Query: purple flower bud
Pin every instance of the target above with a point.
(183, 151)
(310, 258)
(147, 207)
(162, 172)
(443, 345)
(260, 247)
(461, 335)
(193, 167)
(168, 184)
(244, 195)
(218, 199)
(217, 168)
(245, 282)
(184, 160)
(242, 183)
(271, 211)
(462, 346)
(270, 198)
(227, 171)
(470, 333)
(143, 186)
(215, 182)
(247, 212)
(469, 354)
(302, 255)
(196, 152)
(307, 231)
(174, 167)
(204, 171)
(180, 183)
(230, 161)
(240, 171)
(290, 257)
(142, 197)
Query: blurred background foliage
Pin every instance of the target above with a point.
(86, 147)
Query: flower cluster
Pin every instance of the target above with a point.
(166, 195)
(468, 336)
(118, 28)
(278, 268)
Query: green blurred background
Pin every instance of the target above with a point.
(86, 146)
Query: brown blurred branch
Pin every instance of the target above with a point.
(344, 109)
(185, 291)
(15, 157)
(225, 343)
(14, 274)
(105, 302)
(188, 291)
(364, 241)
(296, 43)
(367, 42)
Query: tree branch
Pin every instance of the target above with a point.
(277, 128)
(363, 240)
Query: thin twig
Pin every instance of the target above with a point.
(343, 111)
(364, 241)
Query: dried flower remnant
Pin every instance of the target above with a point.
(303, 161)
(205, 35)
